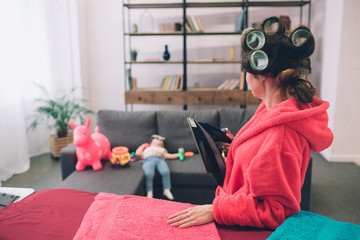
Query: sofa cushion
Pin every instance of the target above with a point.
(190, 172)
(234, 118)
(174, 127)
(128, 129)
(122, 181)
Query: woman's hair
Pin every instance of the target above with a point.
(284, 56)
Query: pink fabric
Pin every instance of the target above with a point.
(267, 162)
(113, 217)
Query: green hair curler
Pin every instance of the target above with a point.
(266, 27)
(254, 39)
(259, 60)
(300, 36)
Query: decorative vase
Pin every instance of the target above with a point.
(166, 54)
(146, 22)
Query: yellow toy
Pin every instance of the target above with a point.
(120, 156)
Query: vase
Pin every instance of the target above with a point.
(166, 54)
(146, 22)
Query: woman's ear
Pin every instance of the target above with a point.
(266, 77)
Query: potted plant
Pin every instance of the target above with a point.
(133, 54)
(58, 112)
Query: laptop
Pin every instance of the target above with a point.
(207, 139)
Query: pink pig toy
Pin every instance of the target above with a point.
(90, 148)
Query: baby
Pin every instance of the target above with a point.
(154, 155)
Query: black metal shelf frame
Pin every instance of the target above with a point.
(244, 4)
(219, 4)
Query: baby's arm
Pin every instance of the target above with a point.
(139, 151)
(167, 155)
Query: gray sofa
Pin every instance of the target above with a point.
(190, 182)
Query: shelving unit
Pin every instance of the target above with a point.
(194, 96)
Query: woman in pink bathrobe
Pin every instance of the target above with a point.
(267, 160)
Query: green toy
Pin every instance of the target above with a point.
(181, 154)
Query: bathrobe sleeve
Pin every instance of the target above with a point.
(272, 185)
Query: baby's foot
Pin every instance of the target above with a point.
(168, 194)
(149, 194)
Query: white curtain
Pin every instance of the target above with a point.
(38, 44)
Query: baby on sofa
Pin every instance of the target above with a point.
(154, 155)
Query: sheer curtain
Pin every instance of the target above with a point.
(38, 44)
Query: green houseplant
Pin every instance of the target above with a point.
(57, 112)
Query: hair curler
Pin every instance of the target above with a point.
(268, 23)
(300, 36)
(259, 60)
(303, 42)
(254, 39)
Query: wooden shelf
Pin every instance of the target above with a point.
(189, 5)
(212, 33)
(214, 4)
(155, 62)
(178, 33)
(138, 34)
(203, 61)
(219, 4)
(152, 5)
(212, 61)
(277, 3)
(193, 96)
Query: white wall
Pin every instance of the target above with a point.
(102, 52)
(340, 81)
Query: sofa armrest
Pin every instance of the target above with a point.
(68, 160)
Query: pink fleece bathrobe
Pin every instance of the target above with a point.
(267, 162)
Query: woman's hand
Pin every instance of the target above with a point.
(194, 216)
(224, 149)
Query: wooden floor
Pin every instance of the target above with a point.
(335, 187)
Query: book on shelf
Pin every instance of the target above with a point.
(193, 24)
(229, 84)
(169, 28)
(239, 23)
(198, 22)
(232, 83)
(172, 82)
(133, 83)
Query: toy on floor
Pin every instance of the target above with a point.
(90, 148)
(120, 157)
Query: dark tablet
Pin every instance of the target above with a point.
(207, 137)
